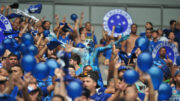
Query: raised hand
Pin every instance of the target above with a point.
(117, 64)
(56, 17)
(2, 9)
(82, 15)
(69, 46)
(59, 73)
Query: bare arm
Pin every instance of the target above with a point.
(81, 19)
(23, 31)
(59, 85)
(112, 33)
(2, 9)
(39, 40)
(8, 10)
(57, 24)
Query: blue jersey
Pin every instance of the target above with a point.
(100, 95)
(89, 36)
(153, 45)
(67, 38)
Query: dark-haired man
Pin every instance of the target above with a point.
(90, 82)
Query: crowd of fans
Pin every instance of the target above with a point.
(77, 54)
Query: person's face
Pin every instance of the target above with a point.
(155, 35)
(47, 25)
(177, 78)
(87, 69)
(40, 29)
(148, 26)
(16, 71)
(89, 83)
(88, 27)
(16, 26)
(3, 63)
(173, 25)
(160, 32)
(72, 72)
(71, 62)
(131, 94)
(111, 83)
(121, 73)
(3, 72)
(13, 60)
(117, 50)
(162, 52)
(148, 33)
(17, 20)
(133, 29)
(84, 31)
(171, 36)
(2, 87)
(83, 37)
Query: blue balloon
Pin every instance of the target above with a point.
(27, 39)
(74, 17)
(23, 49)
(32, 49)
(52, 64)
(178, 61)
(118, 29)
(145, 61)
(7, 43)
(142, 43)
(2, 49)
(156, 76)
(74, 89)
(46, 33)
(164, 91)
(40, 71)
(28, 62)
(131, 76)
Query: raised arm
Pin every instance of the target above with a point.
(2, 9)
(8, 10)
(81, 19)
(112, 33)
(59, 84)
(57, 23)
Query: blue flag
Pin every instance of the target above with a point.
(35, 8)
(54, 43)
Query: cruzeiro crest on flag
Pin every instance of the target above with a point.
(171, 50)
(5, 25)
(120, 19)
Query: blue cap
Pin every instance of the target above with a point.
(177, 72)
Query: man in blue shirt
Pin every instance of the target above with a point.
(90, 82)
(90, 32)
(154, 41)
(148, 26)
